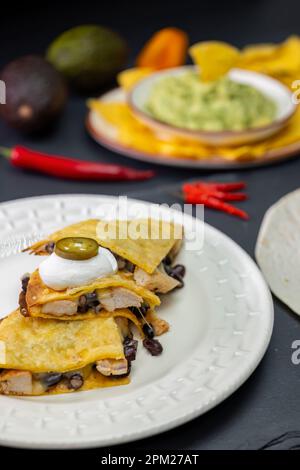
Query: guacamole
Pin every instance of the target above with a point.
(184, 101)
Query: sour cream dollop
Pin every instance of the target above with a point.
(60, 273)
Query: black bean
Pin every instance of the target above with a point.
(50, 379)
(168, 268)
(97, 308)
(136, 311)
(82, 304)
(148, 330)
(178, 278)
(75, 381)
(50, 247)
(179, 270)
(129, 266)
(25, 281)
(130, 348)
(121, 262)
(153, 346)
(141, 311)
(92, 299)
(82, 309)
(144, 308)
(23, 304)
(167, 260)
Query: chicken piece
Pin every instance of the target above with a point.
(159, 281)
(60, 307)
(160, 326)
(112, 366)
(18, 382)
(118, 297)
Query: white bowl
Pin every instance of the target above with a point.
(270, 87)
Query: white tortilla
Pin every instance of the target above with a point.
(278, 249)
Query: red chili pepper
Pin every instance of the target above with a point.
(213, 195)
(216, 186)
(214, 203)
(68, 168)
(225, 196)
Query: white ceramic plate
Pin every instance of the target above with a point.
(270, 87)
(221, 324)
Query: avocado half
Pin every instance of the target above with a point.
(35, 93)
(89, 56)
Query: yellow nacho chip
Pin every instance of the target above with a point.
(278, 60)
(127, 79)
(134, 135)
(214, 58)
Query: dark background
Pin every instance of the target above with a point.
(267, 405)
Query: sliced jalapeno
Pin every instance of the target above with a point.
(76, 248)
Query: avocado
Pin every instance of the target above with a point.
(89, 56)
(35, 93)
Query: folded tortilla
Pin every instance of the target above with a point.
(38, 294)
(43, 346)
(144, 242)
(155, 240)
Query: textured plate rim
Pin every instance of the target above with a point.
(193, 411)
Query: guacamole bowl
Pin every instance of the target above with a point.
(264, 101)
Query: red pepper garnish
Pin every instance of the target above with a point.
(225, 187)
(213, 195)
(68, 168)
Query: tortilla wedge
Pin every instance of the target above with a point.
(144, 242)
(42, 346)
(38, 294)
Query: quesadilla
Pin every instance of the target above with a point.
(41, 357)
(143, 269)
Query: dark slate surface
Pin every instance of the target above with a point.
(267, 405)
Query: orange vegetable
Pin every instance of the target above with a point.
(166, 48)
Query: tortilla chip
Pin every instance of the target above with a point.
(181, 148)
(273, 59)
(128, 78)
(214, 58)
